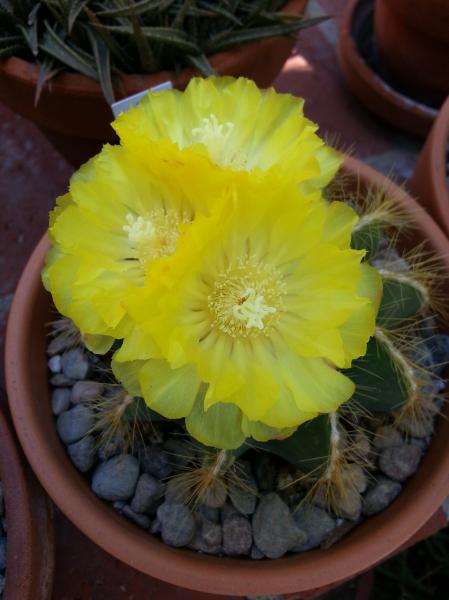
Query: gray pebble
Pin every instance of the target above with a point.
(176, 491)
(177, 523)
(55, 364)
(82, 453)
(244, 498)
(110, 448)
(156, 527)
(75, 423)
(380, 496)
(148, 491)
(354, 477)
(256, 554)
(212, 514)
(140, 520)
(400, 462)
(274, 529)
(75, 364)
(349, 505)
(60, 400)
(116, 478)
(215, 494)
(316, 523)
(419, 428)
(237, 536)
(60, 380)
(2, 553)
(208, 536)
(387, 437)
(154, 461)
(119, 505)
(83, 391)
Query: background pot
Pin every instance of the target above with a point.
(429, 182)
(30, 557)
(357, 57)
(366, 545)
(74, 115)
(413, 41)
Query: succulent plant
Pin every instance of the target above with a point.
(101, 38)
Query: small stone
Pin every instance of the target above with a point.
(274, 529)
(110, 448)
(419, 428)
(354, 477)
(156, 527)
(208, 536)
(244, 499)
(154, 461)
(55, 364)
(228, 510)
(82, 453)
(362, 446)
(75, 423)
(177, 522)
(215, 494)
(75, 364)
(380, 496)
(60, 380)
(265, 472)
(400, 462)
(387, 437)
(148, 491)
(237, 536)
(317, 525)
(116, 478)
(256, 554)
(140, 520)
(2, 553)
(439, 347)
(349, 505)
(212, 514)
(119, 505)
(176, 491)
(83, 391)
(60, 400)
(179, 453)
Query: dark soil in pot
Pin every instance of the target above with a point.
(371, 80)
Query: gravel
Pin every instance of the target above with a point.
(387, 437)
(116, 478)
(75, 364)
(60, 400)
(244, 498)
(148, 491)
(84, 391)
(82, 453)
(401, 462)
(317, 525)
(208, 536)
(154, 461)
(177, 524)
(75, 423)
(55, 364)
(274, 529)
(140, 520)
(380, 496)
(237, 536)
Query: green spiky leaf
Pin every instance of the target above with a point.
(367, 238)
(307, 449)
(379, 385)
(400, 301)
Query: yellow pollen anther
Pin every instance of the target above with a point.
(252, 309)
(138, 229)
(215, 136)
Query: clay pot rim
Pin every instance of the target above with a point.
(29, 557)
(368, 544)
(76, 83)
(380, 92)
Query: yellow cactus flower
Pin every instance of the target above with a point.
(242, 331)
(114, 220)
(235, 124)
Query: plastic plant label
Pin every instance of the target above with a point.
(124, 104)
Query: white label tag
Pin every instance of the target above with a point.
(123, 105)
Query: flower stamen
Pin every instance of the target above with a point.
(252, 309)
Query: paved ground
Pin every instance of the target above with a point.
(32, 174)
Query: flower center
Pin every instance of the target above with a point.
(155, 235)
(245, 301)
(215, 136)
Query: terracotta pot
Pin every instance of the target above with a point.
(429, 182)
(413, 40)
(364, 75)
(30, 556)
(366, 545)
(74, 115)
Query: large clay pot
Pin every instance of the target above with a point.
(366, 545)
(413, 40)
(30, 556)
(366, 77)
(76, 118)
(430, 183)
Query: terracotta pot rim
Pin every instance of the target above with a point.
(76, 83)
(372, 541)
(384, 99)
(29, 554)
(437, 147)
